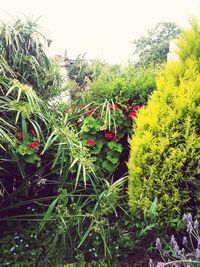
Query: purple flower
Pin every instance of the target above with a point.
(187, 218)
(198, 254)
(198, 243)
(185, 241)
(198, 164)
(196, 225)
(189, 227)
(158, 244)
(173, 240)
(151, 263)
(160, 264)
(177, 250)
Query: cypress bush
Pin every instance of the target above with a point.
(165, 146)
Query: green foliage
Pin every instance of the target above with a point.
(22, 49)
(130, 84)
(80, 72)
(153, 47)
(165, 144)
(84, 71)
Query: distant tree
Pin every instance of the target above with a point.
(153, 47)
(79, 71)
(83, 71)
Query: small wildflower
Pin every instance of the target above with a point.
(108, 135)
(132, 114)
(113, 106)
(198, 243)
(198, 254)
(173, 240)
(160, 264)
(196, 225)
(158, 244)
(198, 164)
(20, 135)
(185, 241)
(189, 227)
(136, 107)
(32, 132)
(33, 144)
(98, 115)
(151, 263)
(69, 108)
(187, 218)
(90, 142)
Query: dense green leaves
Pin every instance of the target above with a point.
(153, 48)
(22, 49)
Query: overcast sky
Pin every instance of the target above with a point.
(101, 28)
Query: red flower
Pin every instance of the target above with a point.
(136, 107)
(69, 108)
(81, 106)
(33, 144)
(132, 114)
(20, 135)
(113, 106)
(98, 115)
(90, 142)
(108, 135)
(32, 132)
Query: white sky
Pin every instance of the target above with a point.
(101, 28)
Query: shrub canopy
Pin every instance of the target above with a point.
(165, 145)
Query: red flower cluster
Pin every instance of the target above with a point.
(132, 114)
(90, 142)
(98, 115)
(20, 135)
(69, 108)
(81, 106)
(136, 107)
(90, 111)
(33, 144)
(113, 106)
(109, 135)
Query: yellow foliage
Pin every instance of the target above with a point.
(165, 146)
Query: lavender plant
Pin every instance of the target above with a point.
(189, 254)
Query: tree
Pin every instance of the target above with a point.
(83, 71)
(80, 71)
(153, 47)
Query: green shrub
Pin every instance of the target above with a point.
(23, 57)
(165, 146)
(106, 115)
(129, 84)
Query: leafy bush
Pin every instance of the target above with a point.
(104, 117)
(22, 49)
(165, 145)
(130, 84)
